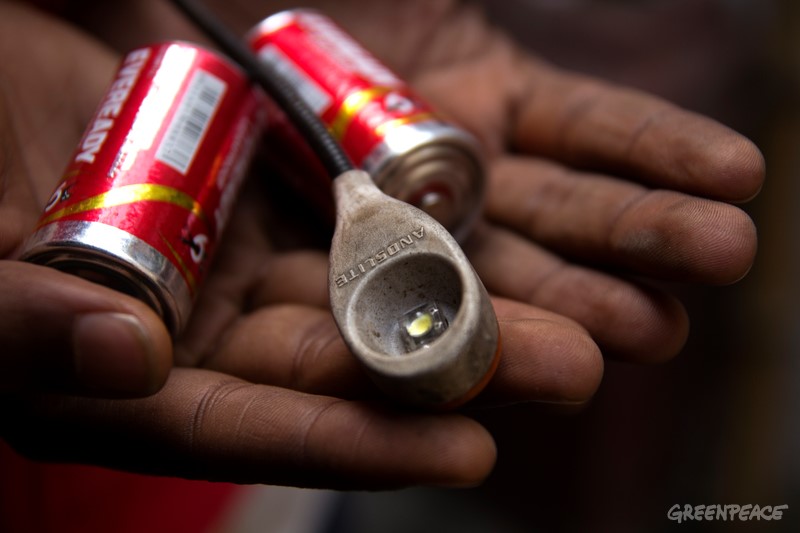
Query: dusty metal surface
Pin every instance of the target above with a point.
(387, 259)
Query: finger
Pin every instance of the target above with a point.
(587, 123)
(211, 426)
(300, 277)
(219, 312)
(628, 321)
(295, 347)
(63, 333)
(247, 274)
(545, 357)
(598, 219)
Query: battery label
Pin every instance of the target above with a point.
(190, 123)
(111, 107)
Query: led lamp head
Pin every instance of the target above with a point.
(406, 299)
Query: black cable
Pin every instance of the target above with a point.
(302, 116)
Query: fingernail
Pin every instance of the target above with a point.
(113, 353)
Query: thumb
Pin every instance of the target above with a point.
(60, 332)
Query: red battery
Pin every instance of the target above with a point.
(387, 130)
(151, 185)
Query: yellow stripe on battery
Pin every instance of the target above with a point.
(351, 106)
(130, 194)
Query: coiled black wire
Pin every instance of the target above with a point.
(329, 151)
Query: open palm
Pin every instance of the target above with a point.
(590, 186)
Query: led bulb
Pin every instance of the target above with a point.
(438, 354)
(422, 325)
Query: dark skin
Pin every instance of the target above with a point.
(590, 186)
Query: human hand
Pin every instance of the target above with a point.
(547, 357)
(594, 189)
(260, 310)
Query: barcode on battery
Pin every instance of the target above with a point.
(307, 88)
(190, 123)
